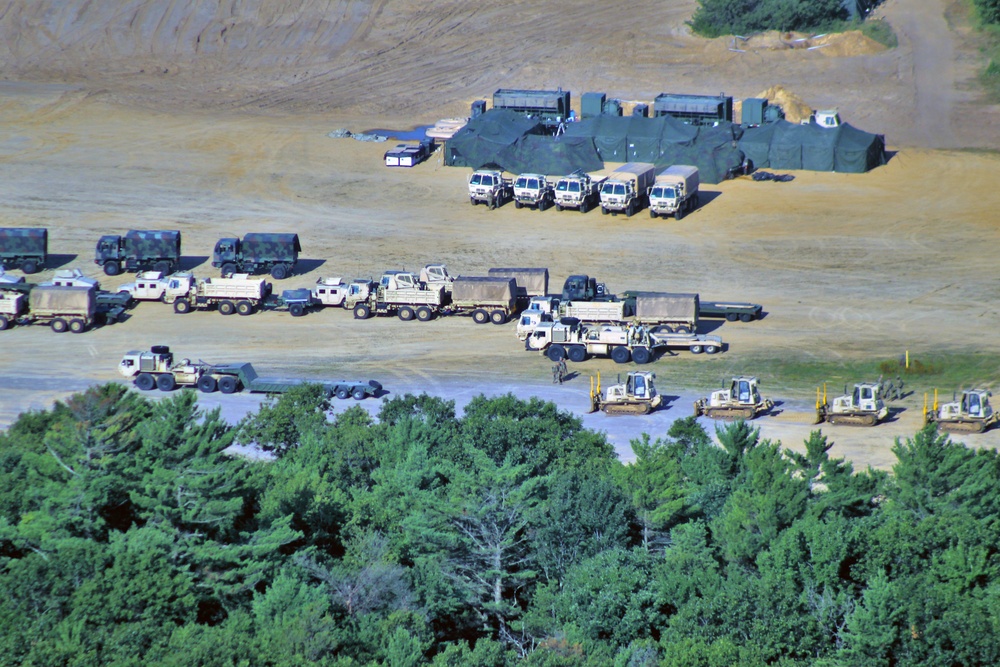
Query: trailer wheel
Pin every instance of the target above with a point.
(111, 268)
(361, 312)
(425, 314)
(166, 382)
(556, 352)
(359, 394)
(576, 353)
(641, 355)
(732, 317)
(343, 393)
(207, 384)
(228, 384)
(279, 271)
(145, 382)
(696, 349)
(227, 307)
(59, 325)
(162, 266)
(297, 310)
(76, 325)
(621, 355)
(711, 349)
(498, 317)
(480, 316)
(182, 306)
(4, 323)
(746, 317)
(244, 308)
(227, 270)
(29, 266)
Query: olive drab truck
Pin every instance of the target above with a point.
(674, 192)
(970, 414)
(625, 190)
(581, 287)
(578, 190)
(488, 186)
(61, 308)
(273, 253)
(397, 293)
(486, 298)
(534, 191)
(239, 293)
(863, 407)
(139, 250)
(637, 395)
(531, 282)
(741, 399)
(576, 342)
(24, 248)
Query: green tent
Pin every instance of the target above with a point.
(784, 145)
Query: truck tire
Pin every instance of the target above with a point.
(498, 317)
(76, 325)
(629, 211)
(227, 270)
(711, 349)
(359, 394)
(144, 382)
(228, 384)
(679, 213)
(244, 308)
(59, 325)
(279, 271)
(556, 352)
(227, 307)
(162, 266)
(559, 207)
(732, 317)
(641, 355)
(405, 313)
(297, 310)
(425, 314)
(112, 268)
(473, 200)
(584, 207)
(576, 353)
(604, 211)
(160, 349)
(621, 354)
(29, 266)
(4, 323)
(652, 213)
(343, 393)
(746, 317)
(207, 384)
(362, 312)
(480, 316)
(166, 382)
(182, 306)
(518, 204)
(696, 349)
(661, 328)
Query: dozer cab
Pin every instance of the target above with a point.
(972, 414)
(636, 396)
(741, 400)
(863, 407)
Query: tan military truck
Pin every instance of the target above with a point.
(488, 186)
(576, 342)
(626, 189)
(397, 293)
(674, 192)
(486, 298)
(61, 308)
(578, 190)
(531, 282)
(534, 191)
(237, 294)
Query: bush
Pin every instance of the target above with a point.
(988, 10)
(714, 18)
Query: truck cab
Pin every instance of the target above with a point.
(490, 187)
(581, 287)
(227, 250)
(532, 190)
(108, 253)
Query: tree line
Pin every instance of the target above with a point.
(507, 535)
(714, 18)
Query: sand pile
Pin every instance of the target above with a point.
(846, 44)
(841, 44)
(795, 108)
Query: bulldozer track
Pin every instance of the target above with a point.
(853, 420)
(626, 408)
(730, 413)
(962, 426)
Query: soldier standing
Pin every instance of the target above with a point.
(899, 386)
(562, 370)
(556, 374)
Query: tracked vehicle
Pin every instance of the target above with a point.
(863, 407)
(972, 414)
(636, 396)
(741, 400)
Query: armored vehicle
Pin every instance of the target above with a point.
(863, 407)
(25, 248)
(257, 253)
(636, 396)
(139, 250)
(741, 400)
(972, 414)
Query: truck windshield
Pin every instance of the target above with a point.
(663, 193)
(562, 186)
(617, 189)
(532, 184)
(521, 182)
(476, 179)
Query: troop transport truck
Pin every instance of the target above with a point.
(531, 282)
(158, 369)
(273, 253)
(626, 188)
(576, 342)
(61, 308)
(487, 298)
(488, 186)
(674, 192)
(25, 248)
(139, 250)
(578, 190)
(534, 191)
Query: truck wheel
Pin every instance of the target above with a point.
(112, 268)
(556, 352)
(165, 382)
(498, 317)
(661, 328)
(145, 382)
(518, 204)
(162, 266)
(279, 271)
(207, 384)
(480, 316)
(604, 211)
(473, 200)
(746, 317)
(425, 314)
(558, 207)
(405, 313)
(732, 317)
(76, 325)
(584, 207)
(679, 213)
(711, 349)
(4, 323)
(577, 353)
(621, 355)
(59, 325)
(652, 213)
(227, 307)
(362, 312)
(245, 308)
(629, 210)
(29, 266)
(641, 355)
(297, 310)
(182, 306)
(227, 270)
(228, 384)
(343, 393)
(359, 394)
(695, 349)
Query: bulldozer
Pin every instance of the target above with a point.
(863, 407)
(741, 400)
(972, 414)
(636, 396)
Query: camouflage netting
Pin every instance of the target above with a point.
(784, 145)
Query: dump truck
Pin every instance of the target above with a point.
(488, 186)
(674, 192)
(534, 191)
(158, 369)
(487, 298)
(626, 188)
(637, 395)
(863, 407)
(61, 308)
(662, 312)
(12, 306)
(739, 400)
(237, 294)
(531, 282)
(732, 311)
(971, 414)
(139, 250)
(575, 341)
(397, 293)
(25, 248)
(273, 253)
(578, 190)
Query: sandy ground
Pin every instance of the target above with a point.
(233, 140)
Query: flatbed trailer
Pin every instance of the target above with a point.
(237, 377)
(731, 310)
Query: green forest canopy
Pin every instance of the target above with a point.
(714, 18)
(507, 535)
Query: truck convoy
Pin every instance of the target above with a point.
(674, 192)
(157, 368)
(25, 248)
(863, 407)
(971, 414)
(576, 342)
(741, 400)
(488, 186)
(533, 190)
(578, 190)
(139, 250)
(626, 188)
(276, 254)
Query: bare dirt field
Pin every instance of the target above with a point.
(157, 115)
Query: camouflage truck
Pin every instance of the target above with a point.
(486, 298)
(139, 250)
(257, 253)
(25, 248)
(530, 282)
(62, 308)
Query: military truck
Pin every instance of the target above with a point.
(674, 192)
(237, 294)
(971, 414)
(534, 191)
(739, 400)
(61, 308)
(139, 250)
(575, 341)
(578, 190)
(863, 407)
(636, 396)
(397, 293)
(157, 368)
(580, 287)
(25, 248)
(487, 298)
(662, 312)
(531, 282)
(111, 306)
(488, 186)
(257, 253)
(12, 306)
(626, 188)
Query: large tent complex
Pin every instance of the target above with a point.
(784, 145)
